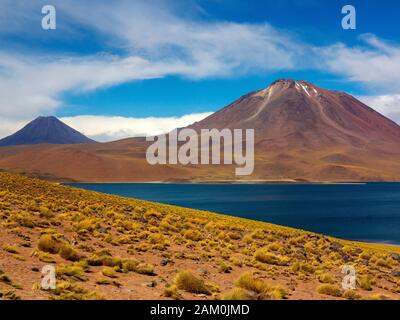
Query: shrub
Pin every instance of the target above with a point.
(45, 257)
(130, 265)
(19, 257)
(4, 278)
(278, 293)
(234, 236)
(224, 267)
(10, 248)
(248, 282)
(351, 295)
(269, 258)
(303, 267)
(258, 234)
(86, 224)
(236, 262)
(379, 297)
(70, 271)
(329, 290)
(10, 295)
(48, 243)
(67, 253)
(157, 238)
(366, 282)
(145, 268)
(142, 247)
(326, 278)
(383, 263)
(101, 259)
(172, 292)
(45, 213)
(109, 272)
(185, 280)
(366, 255)
(71, 291)
(24, 219)
(275, 247)
(297, 240)
(193, 235)
(237, 294)
(263, 291)
(104, 281)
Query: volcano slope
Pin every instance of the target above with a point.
(309, 133)
(302, 133)
(108, 247)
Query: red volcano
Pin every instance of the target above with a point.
(298, 114)
(303, 133)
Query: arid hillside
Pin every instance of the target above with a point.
(108, 247)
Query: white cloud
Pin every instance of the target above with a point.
(30, 86)
(156, 41)
(388, 105)
(9, 126)
(160, 31)
(111, 128)
(376, 64)
(108, 128)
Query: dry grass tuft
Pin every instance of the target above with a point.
(329, 290)
(185, 280)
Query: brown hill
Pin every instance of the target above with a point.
(303, 132)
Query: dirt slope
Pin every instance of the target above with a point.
(108, 247)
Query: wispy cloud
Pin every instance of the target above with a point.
(106, 128)
(161, 31)
(374, 63)
(150, 39)
(389, 105)
(32, 85)
(111, 128)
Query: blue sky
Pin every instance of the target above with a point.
(130, 60)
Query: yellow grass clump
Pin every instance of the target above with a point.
(185, 280)
(329, 290)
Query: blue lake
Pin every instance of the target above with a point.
(366, 212)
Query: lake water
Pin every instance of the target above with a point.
(366, 212)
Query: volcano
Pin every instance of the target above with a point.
(293, 114)
(303, 133)
(45, 130)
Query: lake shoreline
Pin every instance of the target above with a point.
(222, 182)
(361, 212)
(138, 234)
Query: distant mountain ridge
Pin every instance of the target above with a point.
(49, 130)
(303, 133)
